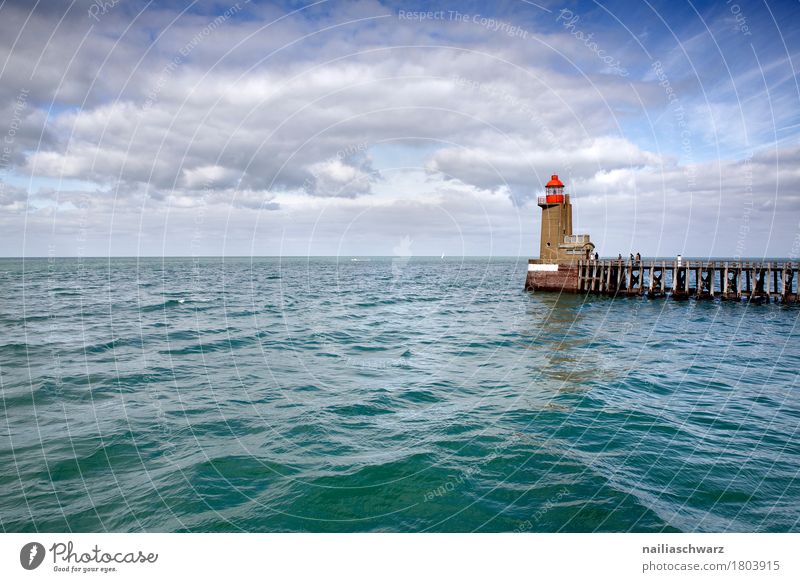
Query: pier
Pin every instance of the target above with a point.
(568, 263)
(726, 280)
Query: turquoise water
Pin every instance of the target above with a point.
(388, 394)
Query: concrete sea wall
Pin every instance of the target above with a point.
(546, 277)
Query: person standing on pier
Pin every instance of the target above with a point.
(597, 256)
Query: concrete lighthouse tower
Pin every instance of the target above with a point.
(557, 243)
(556, 269)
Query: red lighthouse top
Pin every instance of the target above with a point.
(554, 191)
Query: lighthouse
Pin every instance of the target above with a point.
(557, 244)
(560, 251)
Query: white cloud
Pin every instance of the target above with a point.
(338, 179)
(210, 176)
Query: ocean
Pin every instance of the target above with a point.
(397, 394)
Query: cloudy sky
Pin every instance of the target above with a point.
(356, 128)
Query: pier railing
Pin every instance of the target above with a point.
(683, 279)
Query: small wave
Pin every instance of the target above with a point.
(370, 348)
(161, 306)
(233, 480)
(117, 454)
(420, 397)
(113, 344)
(227, 344)
(15, 347)
(35, 318)
(363, 409)
(176, 303)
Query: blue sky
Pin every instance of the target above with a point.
(194, 128)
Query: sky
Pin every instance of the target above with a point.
(133, 128)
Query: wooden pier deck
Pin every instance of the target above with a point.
(701, 279)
